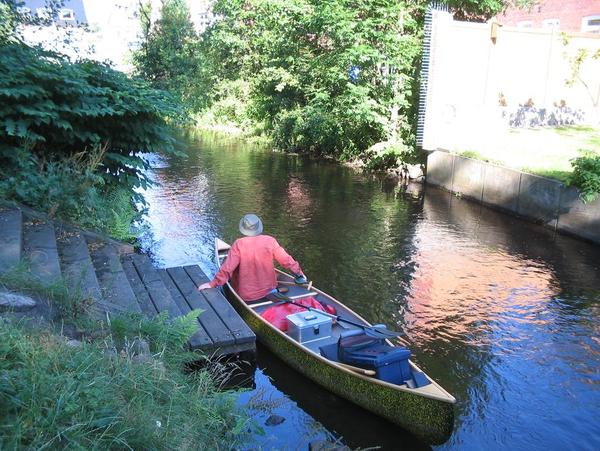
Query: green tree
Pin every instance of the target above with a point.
(168, 53)
(327, 77)
(6, 22)
(53, 108)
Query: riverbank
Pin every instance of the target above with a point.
(377, 163)
(547, 152)
(108, 389)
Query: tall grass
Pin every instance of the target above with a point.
(69, 304)
(53, 396)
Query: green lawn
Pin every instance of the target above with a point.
(545, 151)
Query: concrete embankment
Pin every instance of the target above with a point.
(539, 199)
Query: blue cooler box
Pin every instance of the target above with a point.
(389, 362)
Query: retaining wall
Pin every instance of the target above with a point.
(539, 199)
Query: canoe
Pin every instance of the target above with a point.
(426, 411)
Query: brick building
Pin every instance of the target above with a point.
(564, 15)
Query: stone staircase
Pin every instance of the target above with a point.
(115, 279)
(106, 272)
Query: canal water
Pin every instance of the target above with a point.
(502, 313)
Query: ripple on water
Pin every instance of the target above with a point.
(503, 314)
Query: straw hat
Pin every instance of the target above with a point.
(251, 225)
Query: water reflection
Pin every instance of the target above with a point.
(502, 313)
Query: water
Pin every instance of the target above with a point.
(502, 313)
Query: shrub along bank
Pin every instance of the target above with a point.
(71, 137)
(122, 384)
(72, 133)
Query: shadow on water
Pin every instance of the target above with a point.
(231, 372)
(354, 426)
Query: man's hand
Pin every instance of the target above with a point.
(300, 279)
(204, 286)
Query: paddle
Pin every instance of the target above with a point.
(379, 332)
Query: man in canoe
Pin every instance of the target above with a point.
(249, 263)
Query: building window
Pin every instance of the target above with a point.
(591, 24)
(552, 24)
(525, 24)
(66, 14)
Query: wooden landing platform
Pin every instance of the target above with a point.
(220, 330)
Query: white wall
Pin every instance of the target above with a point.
(468, 71)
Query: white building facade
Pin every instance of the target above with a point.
(102, 30)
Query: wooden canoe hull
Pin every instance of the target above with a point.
(429, 419)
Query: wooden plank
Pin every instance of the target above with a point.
(230, 349)
(11, 238)
(143, 298)
(113, 281)
(163, 301)
(238, 328)
(218, 332)
(305, 295)
(200, 339)
(174, 291)
(260, 304)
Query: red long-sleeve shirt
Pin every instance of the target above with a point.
(253, 257)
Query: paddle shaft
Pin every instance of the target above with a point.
(362, 371)
(330, 315)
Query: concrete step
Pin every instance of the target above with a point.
(40, 250)
(76, 262)
(154, 285)
(116, 290)
(11, 238)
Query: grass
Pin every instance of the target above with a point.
(574, 129)
(101, 395)
(562, 176)
(477, 156)
(53, 396)
(548, 152)
(70, 305)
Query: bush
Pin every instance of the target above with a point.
(162, 332)
(54, 109)
(72, 189)
(390, 155)
(55, 396)
(586, 176)
(73, 133)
